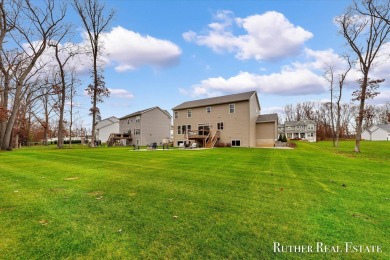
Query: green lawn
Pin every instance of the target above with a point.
(115, 203)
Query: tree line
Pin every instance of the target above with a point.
(324, 114)
(38, 72)
(365, 26)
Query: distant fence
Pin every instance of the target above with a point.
(50, 142)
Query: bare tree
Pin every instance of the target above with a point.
(365, 34)
(72, 92)
(329, 76)
(335, 108)
(63, 54)
(95, 21)
(34, 27)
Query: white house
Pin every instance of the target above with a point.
(105, 127)
(377, 133)
(304, 129)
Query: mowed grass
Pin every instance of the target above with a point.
(115, 203)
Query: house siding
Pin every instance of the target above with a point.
(265, 134)
(235, 125)
(254, 112)
(377, 133)
(104, 133)
(154, 126)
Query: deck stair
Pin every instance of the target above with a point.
(211, 141)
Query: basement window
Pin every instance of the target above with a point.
(236, 143)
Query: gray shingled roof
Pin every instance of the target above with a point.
(107, 121)
(295, 123)
(140, 112)
(216, 100)
(385, 127)
(267, 118)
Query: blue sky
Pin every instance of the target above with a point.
(163, 53)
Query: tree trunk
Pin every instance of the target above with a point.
(4, 105)
(95, 90)
(11, 121)
(359, 124)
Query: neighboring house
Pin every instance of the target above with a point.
(377, 133)
(233, 119)
(105, 127)
(303, 129)
(146, 127)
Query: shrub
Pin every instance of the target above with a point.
(291, 145)
(284, 139)
(280, 138)
(220, 144)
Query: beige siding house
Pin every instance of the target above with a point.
(231, 119)
(146, 127)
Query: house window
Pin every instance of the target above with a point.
(208, 110)
(232, 108)
(179, 130)
(128, 121)
(310, 134)
(236, 143)
(137, 119)
(176, 114)
(185, 128)
(189, 113)
(220, 126)
(137, 131)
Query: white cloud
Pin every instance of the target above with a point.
(124, 49)
(287, 82)
(271, 110)
(382, 98)
(268, 36)
(120, 93)
(129, 50)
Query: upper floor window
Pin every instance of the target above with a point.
(138, 119)
(232, 108)
(128, 121)
(179, 130)
(220, 126)
(137, 131)
(176, 114)
(189, 113)
(208, 110)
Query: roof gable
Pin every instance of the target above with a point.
(140, 112)
(385, 127)
(217, 100)
(106, 122)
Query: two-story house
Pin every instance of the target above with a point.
(233, 119)
(147, 126)
(303, 129)
(105, 127)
